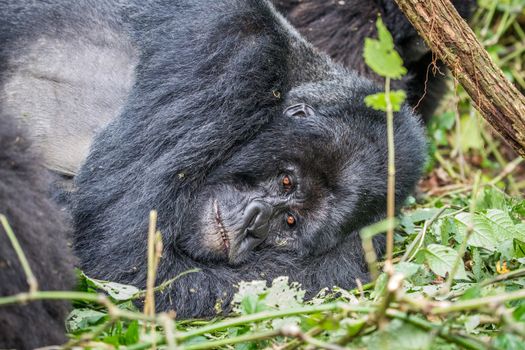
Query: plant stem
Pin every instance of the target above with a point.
(267, 315)
(30, 277)
(161, 287)
(412, 250)
(149, 302)
(234, 340)
(428, 326)
(470, 229)
(391, 185)
(113, 310)
(472, 304)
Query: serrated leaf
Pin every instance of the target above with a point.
(477, 268)
(255, 296)
(80, 319)
(381, 56)
(117, 291)
(441, 259)
(503, 226)
(482, 234)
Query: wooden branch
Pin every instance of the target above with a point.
(452, 40)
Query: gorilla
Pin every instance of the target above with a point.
(339, 28)
(41, 231)
(256, 149)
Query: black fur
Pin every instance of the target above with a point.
(339, 28)
(41, 231)
(205, 130)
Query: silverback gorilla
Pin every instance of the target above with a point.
(256, 149)
(41, 232)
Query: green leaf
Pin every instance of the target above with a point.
(117, 291)
(246, 346)
(482, 234)
(400, 336)
(381, 56)
(408, 269)
(378, 101)
(503, 225)
(444, 229)
(423, 214)
(440, 259)
(380, 286)
(353, 326)
(255, 296)
(132, 333)
(477, 268)
(252, 304)
(519, 313)
(508, 341)
(491, 198)
(80, 319)
(472, 293)
(518, 249)
(489, 230)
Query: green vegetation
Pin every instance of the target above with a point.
(458, 274)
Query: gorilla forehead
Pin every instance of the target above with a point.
(340, 131)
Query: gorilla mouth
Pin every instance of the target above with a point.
(222, 230)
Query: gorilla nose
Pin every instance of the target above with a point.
(257, 217)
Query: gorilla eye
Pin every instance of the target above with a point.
(290, 220)
(287, 183)
(301, 110)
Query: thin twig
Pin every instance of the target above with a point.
(391, 185)
(472, 304)
(149, 303)
(30, 277)
(411, 251)
(161, 287)
(463, 247)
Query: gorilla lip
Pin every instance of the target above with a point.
(222, 229)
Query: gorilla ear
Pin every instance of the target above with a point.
(301, 110)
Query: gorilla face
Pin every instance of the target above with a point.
(277, 203)
(283, 191)
(293, 188)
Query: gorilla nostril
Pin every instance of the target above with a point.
(257, 217)
(300, 110)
